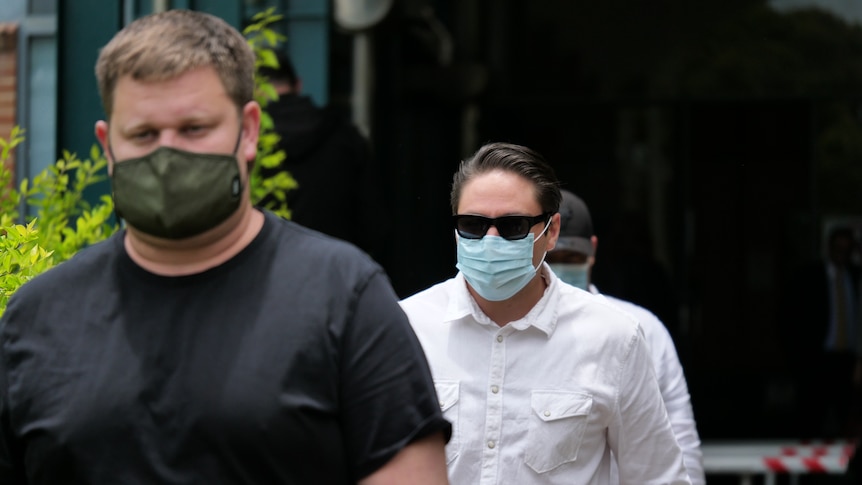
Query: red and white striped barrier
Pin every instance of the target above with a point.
(781, 448)
(746, 458)
(775, 464)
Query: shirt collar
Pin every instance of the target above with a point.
(461, 303)
(543, 315)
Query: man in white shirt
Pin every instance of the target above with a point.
(572, 261)
(541, 381)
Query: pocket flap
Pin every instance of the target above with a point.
(447, 393)
(553, 405)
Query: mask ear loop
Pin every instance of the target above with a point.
(238, 138)
(117, 214)
(111, 151)
(547, 226)
(236, 184)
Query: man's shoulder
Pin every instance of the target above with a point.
(293, 234)
(598, 315)
(429, 307)
(72, 284)
(655, 331)
(437, 294)
(299, 246)
(597, 303)
(646, 318)
(84, 268)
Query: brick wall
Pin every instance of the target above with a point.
(8, 81)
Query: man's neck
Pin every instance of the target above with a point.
(198, 253)
(283, 89)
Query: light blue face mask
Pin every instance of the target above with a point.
(497, 268)
(577, 275)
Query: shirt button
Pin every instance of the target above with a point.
(442, 404)
(491, 444)
(499, 338)
(495, 389)
(547, 413)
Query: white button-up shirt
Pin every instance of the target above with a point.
(672, 383)
(545, 399)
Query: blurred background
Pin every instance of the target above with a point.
(714, 141)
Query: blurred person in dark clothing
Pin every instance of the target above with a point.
(339, 190)
(821, 313)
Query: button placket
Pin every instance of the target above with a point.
(494, 407)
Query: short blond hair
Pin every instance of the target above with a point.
(165, 45)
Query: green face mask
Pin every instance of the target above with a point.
(175, 194)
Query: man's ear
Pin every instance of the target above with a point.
(102, 136)
(592, 259)
(250, 131)
(554, 231)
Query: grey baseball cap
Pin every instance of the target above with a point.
(576, 225)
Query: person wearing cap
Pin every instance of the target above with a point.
(543, 382)
(572, 260)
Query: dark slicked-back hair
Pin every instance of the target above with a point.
(516, 159)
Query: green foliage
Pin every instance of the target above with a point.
(65, 222)
(58, 195)
(9, 198)
(21, 258)
(263, 40)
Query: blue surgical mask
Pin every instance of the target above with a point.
(577, 275)
(497, 268)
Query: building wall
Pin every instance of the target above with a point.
(8, 81)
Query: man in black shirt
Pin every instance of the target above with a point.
(208, 342)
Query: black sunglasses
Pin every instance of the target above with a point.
(509, 227)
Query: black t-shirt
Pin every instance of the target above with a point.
(292, 363)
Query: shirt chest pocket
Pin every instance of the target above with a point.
(447, 394)
(556, 428)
